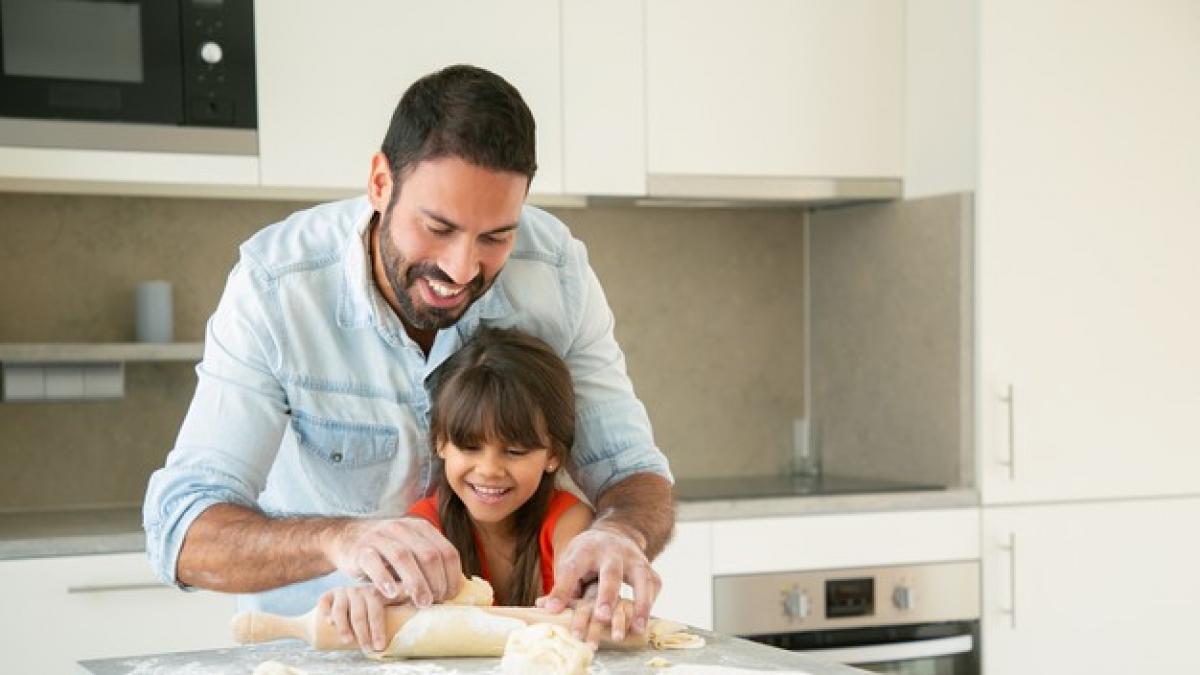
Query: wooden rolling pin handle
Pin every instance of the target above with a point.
(312, 627)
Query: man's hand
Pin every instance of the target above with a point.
(608, 555)
(401, 557)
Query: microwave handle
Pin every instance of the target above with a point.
(898, 651)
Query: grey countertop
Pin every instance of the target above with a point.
(721, 654)
(119, 529)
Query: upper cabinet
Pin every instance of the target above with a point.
(774, 89)
(330, 75)
(604, 97)
(771, 100)
(1089, 173)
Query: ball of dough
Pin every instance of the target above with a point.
(474, 591)
(544, 649)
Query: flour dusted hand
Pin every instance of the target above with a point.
(402, 557)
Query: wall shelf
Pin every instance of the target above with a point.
(99, 352)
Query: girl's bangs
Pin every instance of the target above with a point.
(485, 409)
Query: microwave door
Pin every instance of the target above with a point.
(102, 60)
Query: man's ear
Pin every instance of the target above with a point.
(380, 183)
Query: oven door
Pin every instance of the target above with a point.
(925, 649)
(105, 60)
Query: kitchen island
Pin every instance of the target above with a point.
(727, 652)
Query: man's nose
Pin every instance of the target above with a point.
(461, 262)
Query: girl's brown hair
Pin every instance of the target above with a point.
(508, 388)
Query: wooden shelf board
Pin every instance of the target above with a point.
(99, 352)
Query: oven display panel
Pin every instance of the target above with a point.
(849, 597)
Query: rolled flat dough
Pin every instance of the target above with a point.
(453, 629)
(443, 630)
(544, 649)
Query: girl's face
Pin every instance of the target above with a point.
(494, 480)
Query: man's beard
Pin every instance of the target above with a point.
(403, 279)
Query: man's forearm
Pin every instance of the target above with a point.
(640, 505)
(235, 549)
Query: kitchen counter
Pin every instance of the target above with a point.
(721, 650)
(810, 505)
(38, 534)
(119, 530)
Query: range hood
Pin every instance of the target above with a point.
(702, 190)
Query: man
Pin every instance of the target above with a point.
(306, 440)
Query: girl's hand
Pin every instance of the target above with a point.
(357, 612)
(581, 620)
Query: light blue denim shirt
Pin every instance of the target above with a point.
(312, 399)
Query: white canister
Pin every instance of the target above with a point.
(154, 316)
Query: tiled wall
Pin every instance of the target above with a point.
(892, 339)
(708, 304)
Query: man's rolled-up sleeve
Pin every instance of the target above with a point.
(231, 434)
(613, 436)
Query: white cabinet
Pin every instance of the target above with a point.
(686, 570)
(1087, 238)
(604, 97)
(778, 88)
(1096, 588)
(796, 543)
(61, 610)
(330, 75)
(120, 172)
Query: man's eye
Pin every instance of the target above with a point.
(439, 231)
(495, 238)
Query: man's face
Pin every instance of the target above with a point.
(445, 236)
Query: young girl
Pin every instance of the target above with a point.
(502, 425)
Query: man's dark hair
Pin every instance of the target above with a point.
(462, 111)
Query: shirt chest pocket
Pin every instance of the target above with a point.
(348, 463)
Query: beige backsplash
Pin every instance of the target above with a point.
(708, 304)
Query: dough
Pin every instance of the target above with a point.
(665, 634)
(545, 649)
(475, 591)
(277, 668)
(444, 630)
(658, 662)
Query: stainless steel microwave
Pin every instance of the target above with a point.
(133, 68)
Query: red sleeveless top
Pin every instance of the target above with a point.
(560, 501)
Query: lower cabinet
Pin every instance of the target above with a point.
(686, 570)
(1096, 588)
(61, 610)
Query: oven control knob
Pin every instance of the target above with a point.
(211, 53)
(795, 603)
(904, 597)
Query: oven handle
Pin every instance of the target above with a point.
(899, 651)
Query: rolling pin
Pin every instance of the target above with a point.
(315, 629)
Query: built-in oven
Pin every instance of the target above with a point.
(86, 73)
(908, 619)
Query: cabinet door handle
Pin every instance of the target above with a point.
(1011, 549)
(1010, 402)
(109, 588)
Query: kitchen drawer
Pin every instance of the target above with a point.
(60, 610)
(794, 543)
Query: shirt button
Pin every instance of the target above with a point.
(336, 457)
